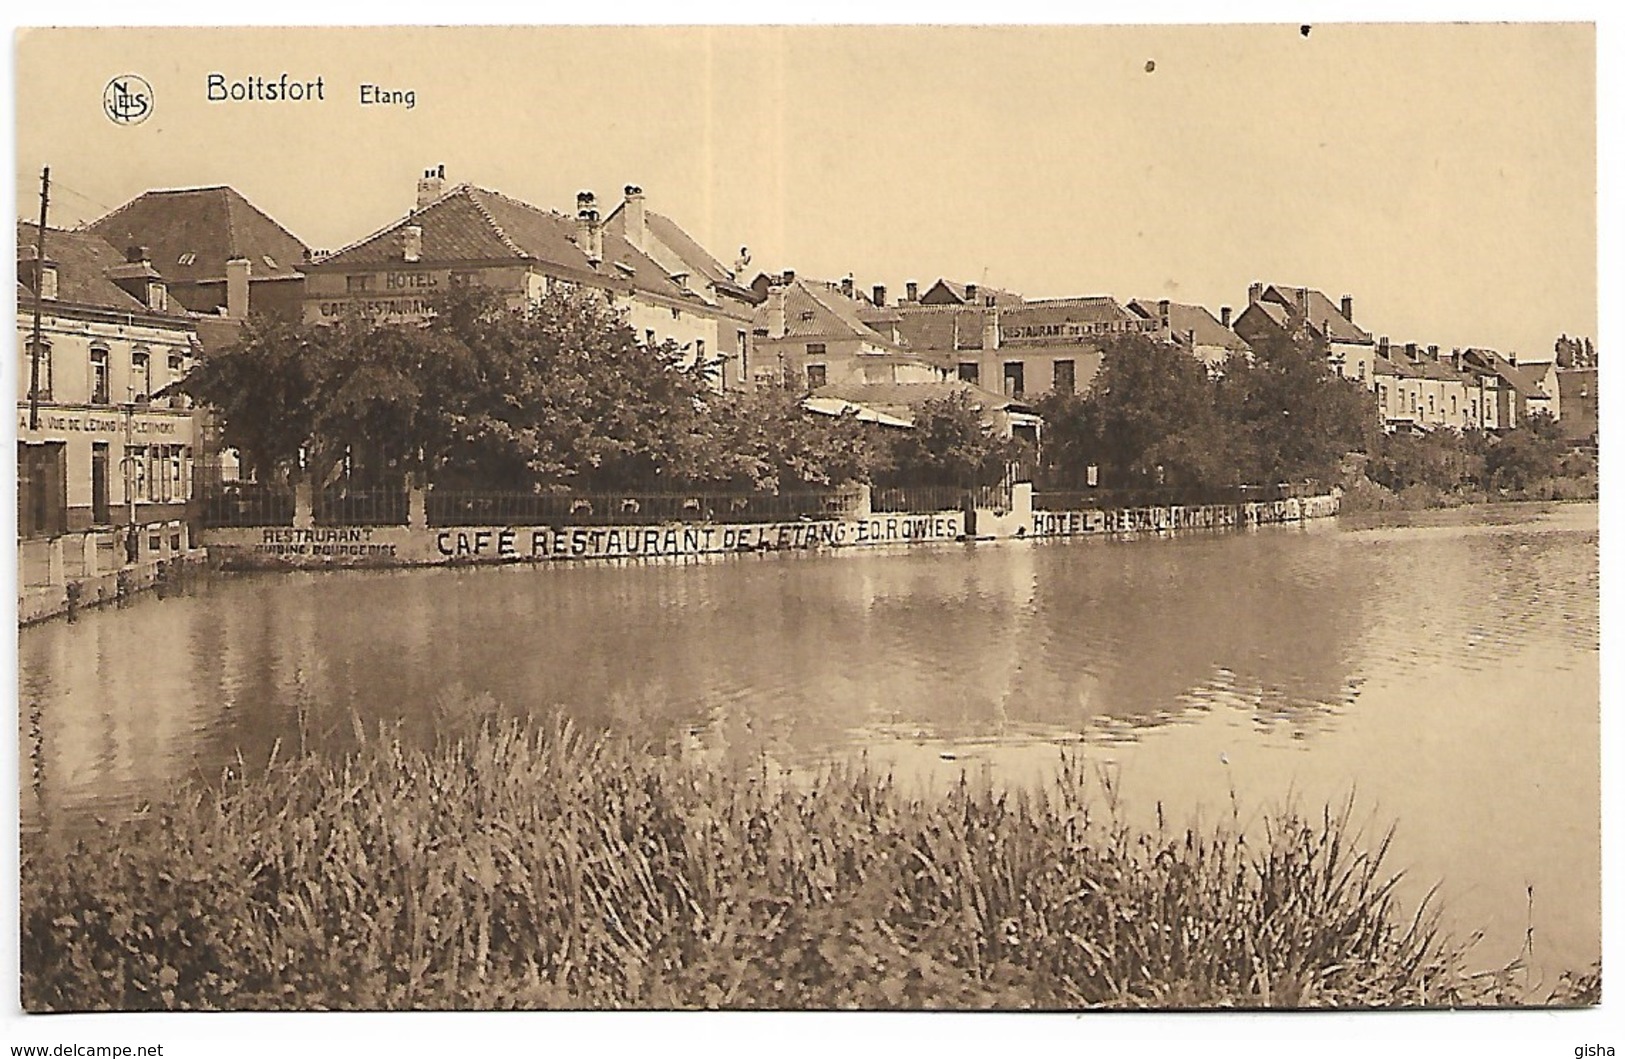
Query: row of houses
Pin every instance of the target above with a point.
(130, 300)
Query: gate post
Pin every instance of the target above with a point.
(304, 508)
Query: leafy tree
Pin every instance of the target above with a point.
(951, 444)
(1525, 455)
(1294, 416)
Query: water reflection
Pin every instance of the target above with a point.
(1434, 661)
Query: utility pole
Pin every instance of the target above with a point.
(39, 295)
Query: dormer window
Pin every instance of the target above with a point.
(270, 262)
(187, 258)
(626, 269)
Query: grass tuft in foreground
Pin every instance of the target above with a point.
(525, 864)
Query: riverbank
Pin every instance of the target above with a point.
(527, 864)
(1365, 495)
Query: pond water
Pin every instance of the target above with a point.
(1442, 667)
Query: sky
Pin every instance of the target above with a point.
(1443, 175)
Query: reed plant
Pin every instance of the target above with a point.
(522, 863)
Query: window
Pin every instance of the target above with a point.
(100, 381)
(649, 338)
(1362, 371)
(1452, 404)
(270, 262)
(742, 342)
(356, 284)
(141, 375)
(135, 472)
(815, 349)
(1066, 376)
(464, 279)
(187, 258)
(1015, 378)
(817, 375)
(44, 387)
(699, 350)
(971, 372)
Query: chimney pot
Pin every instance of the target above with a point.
(1382, 343)
(1224, 315)
(970, 294)
(1162, 310)
(847, 286)
(1255, 293)
(880, 296)
(911, 291)
(636, 220)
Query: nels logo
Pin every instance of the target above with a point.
(127, 99)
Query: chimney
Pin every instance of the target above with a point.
(412, 243)
(1410, 352)
(1255, 293)
(138, 255)
(847, 286)
(912, 291)
(1348, 307)
(1433, 354)
(589, 234)
(990, 329)
(237, 273)
(742, 262)
(1224, 316)
(789, 276)
(880, 296)
(970, 294)
(431, 186)
(1303, 301)
(775, 309)
(637, 222)
(1382, 345)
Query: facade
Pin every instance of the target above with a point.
(1578, 388)
(199, 237)
(1275, 310)
(110, 451)
(471, 236)
(1019, 349)
(811, 333)
(696, 270)
(1519, 390)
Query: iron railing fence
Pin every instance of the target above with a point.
(246, 504)
(342, 504)
(464, 508)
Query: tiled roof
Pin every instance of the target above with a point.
(959, 292)
(814, 309)
(193, 232)
(470, 224)
(83, 262)
(1093, 308)
(1183, 319)
(1324, 315)
(1523, 384)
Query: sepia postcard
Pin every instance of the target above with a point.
(1069, 519)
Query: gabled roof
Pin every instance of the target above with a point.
(192, 233)
(699, 261)
(1523, 384)
(946, 291)
(1184, 319)
(84, 263)
(1324, 316)
(473, 224)
(814, 309)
